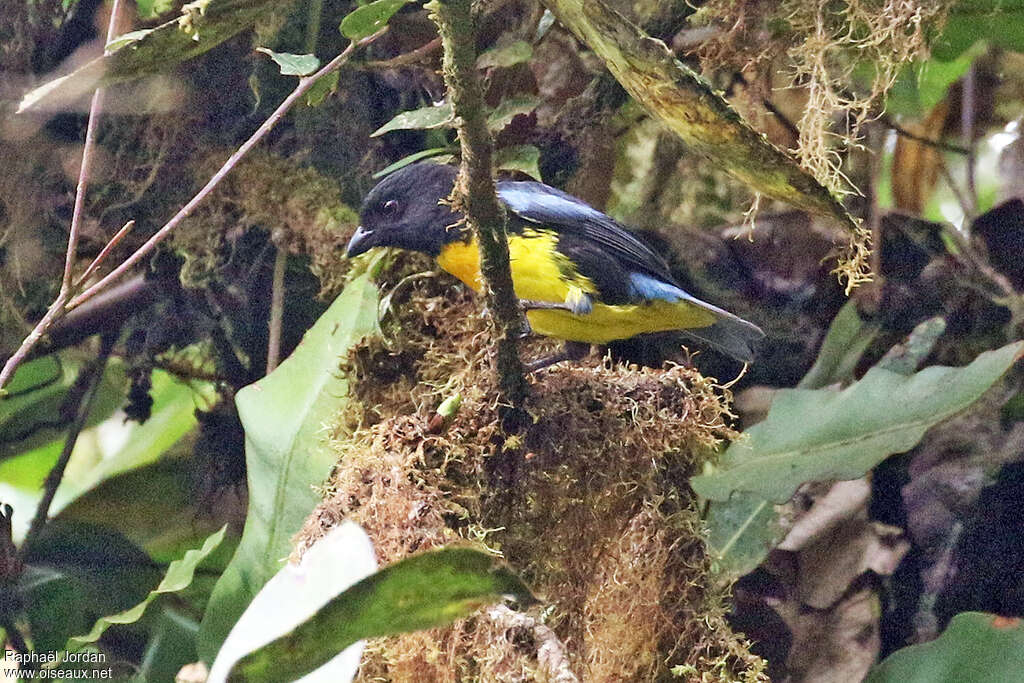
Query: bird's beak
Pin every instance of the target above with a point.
(361, 242)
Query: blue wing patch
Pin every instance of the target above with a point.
(532, 200)
(646, 287)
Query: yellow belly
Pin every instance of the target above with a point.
(537, 276)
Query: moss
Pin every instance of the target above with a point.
(592, 508)
(296, 204)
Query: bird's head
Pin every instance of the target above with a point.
(404, 211)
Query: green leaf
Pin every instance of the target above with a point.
(343, 556)
(506, 55)
(156, 508)
(420, 592)
(201, 26)
(75, 572)
(741, 531)
(999, 22)
(507, 110)
(412, 158)
(179, 576)
(815, 435)
(324, 86)
(922, 85)
(284, 416)
(368, 19)
(30, 412)
(905, 358)
(101, 452)
(522, 158)
(847, 339)
(434, 116)
(291, 64)
(171, 644)
(975, 647)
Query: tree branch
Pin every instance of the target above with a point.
(88, 384)
(476, 197)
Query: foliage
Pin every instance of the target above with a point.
(974, 647)
(819, 434)
(328, 567)
(179, 576)
(420, 592)
(283, 415)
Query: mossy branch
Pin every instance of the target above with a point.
(475, 191)
(702, 118)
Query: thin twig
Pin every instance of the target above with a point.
(937, 144)
(305, 83)
(276, 310)
(406, 58)
(955, 189)
(105, 251)
(83, 172)
(967, 106)
(56, 309)
(91, 378)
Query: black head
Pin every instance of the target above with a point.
(403, 211)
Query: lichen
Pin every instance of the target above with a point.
(843, 55)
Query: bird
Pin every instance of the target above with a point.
(579, 275)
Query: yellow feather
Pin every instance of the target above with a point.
(541, 273)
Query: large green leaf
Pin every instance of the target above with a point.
(202, 25)
(30, 412)
(814, 435)
(420, 592)
(157, 508)
(974, 648)
(101, 452)
(740, 532)
(340, 558)
(284, 416)
(178, 577)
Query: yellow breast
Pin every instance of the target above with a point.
(541, 273)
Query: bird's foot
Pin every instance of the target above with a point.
(570, 351)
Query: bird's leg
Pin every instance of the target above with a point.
(571, 350)
(531, 305)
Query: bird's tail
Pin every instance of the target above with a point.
(729, 334)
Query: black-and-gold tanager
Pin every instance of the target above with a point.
(582, 276)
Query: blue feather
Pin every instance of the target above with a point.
(644, 286)
(534, 198)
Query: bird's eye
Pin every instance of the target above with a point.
(389, 208)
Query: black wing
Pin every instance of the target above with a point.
(563, 213)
